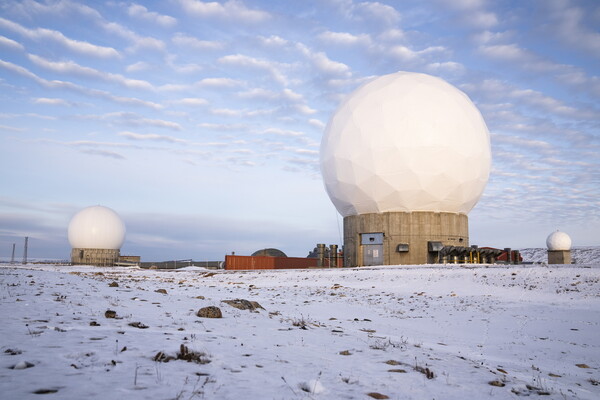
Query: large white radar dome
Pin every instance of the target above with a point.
(405, 142)
(96, 227)
(558, 240)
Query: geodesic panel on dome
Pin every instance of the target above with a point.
(96, 227)
(405, 142)
(558, 241)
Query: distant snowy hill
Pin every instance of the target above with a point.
(580, 255)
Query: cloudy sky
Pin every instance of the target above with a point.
(200, 122)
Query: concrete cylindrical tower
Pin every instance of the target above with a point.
(96, 235)
(404, 159)
(559, 248)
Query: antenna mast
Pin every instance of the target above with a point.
(25, 250)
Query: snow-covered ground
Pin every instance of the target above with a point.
(424, 332)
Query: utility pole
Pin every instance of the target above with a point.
(25, 250)
(12, 257)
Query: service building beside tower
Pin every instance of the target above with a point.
(404, 159)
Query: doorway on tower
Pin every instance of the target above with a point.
(372, 248)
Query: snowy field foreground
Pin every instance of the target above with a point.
(420, 332)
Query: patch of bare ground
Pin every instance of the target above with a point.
(184, 354)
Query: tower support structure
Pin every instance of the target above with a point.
(97, 257)
(402, 238)
(559, 256)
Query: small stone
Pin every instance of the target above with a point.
(497, 383)
(163, 291)
(242, 304)
(210, 312)
(376, 395)
(345, 353)
(138, 325)
(110, 314)
(113, 284)
(23, 365)
(45, 391)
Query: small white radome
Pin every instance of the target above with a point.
(96, 227)
(558, 241)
